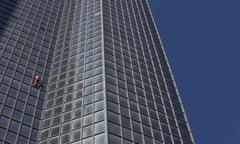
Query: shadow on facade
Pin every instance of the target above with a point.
(6, 9)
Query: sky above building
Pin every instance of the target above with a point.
(201, 39)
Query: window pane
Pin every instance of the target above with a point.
(99, 139)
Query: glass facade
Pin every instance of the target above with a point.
(143, 105)
(74, 106)
(105, 76)
(28, 34)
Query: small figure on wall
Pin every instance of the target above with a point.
(37, 82)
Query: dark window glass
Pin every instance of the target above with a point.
(4, 122)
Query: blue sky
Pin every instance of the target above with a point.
(202, 42)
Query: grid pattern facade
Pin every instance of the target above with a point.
(28, 35)
(143, 105)
(74, 106)
(105, 75)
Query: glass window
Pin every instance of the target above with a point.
(77, 113)
(54, 141)
(87, 109)
(88, 99)
(4, 122)
(78, 103)
(75, 135)
(88, 81)
(87, 131)
(55, 131)
(98, 87)
(88, 90)
(98, 96)
(56, 120)
(57, 110)
(11, 137)
(113, 107)
(99, 127)
(126, 121)
(99, 116)
(99, 139)
(114, 128)
(10, 101)
(87, 120)
(114, 139)
(99, 106)
(88, 141)
(76, 124)
(114, 117)
(98, 78)
(137, 137)
(67, 117)
(25, 130)
(22, 140)
(65, 138)
(68, 107)
(66, 127)
(7, 111)
(44, 134)
(27, 120)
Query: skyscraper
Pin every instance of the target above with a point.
(104, 75)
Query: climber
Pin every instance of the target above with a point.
(37, 82)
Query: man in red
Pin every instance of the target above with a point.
(36, 81)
